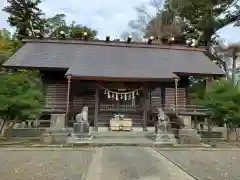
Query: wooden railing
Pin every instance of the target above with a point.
(120, 108)
(185, 109)
(60, 107)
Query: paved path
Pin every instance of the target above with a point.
(113, 163)
(132, 163)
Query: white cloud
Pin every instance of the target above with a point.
(229, 34)
(107, 16)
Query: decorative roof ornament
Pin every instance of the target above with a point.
(62, 35)
(85, 36)
(129, 39)
(150, 39)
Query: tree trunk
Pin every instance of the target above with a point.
(234, 56)
(228, 131)
(209, 122)
(4, 121)
(9, 130)
(236, 133)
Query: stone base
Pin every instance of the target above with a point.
(165, 138)
(56, 136)
(189, 136)
(76, 138)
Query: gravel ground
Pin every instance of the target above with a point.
(210, 165)
(44, 165)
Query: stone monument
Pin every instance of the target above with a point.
(57, 122)
(57, 133)
(81, 129)
(163, 131)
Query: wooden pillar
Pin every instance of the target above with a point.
(96, 108)
(145, 110)
(208, 81)
(68, 99)
(176, 94)
(163, 97)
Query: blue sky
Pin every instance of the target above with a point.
(109, 17)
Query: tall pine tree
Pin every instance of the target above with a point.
(25, 16)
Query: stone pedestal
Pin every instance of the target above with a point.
(189, 136)
(81, 128)
(165, 138)
(81, 131)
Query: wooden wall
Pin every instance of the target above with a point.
(83, 94)
(55, 87)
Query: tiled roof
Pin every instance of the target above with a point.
(101, 59)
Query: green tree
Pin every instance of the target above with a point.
(8, 45)
(21, 96)
(231, 16)
(202, 15)
(78, 30)
(25, 16)
(56, 24)
(222, 99)
(5, 45)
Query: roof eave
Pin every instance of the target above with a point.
(200, 74)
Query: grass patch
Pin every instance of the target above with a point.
(224, 144)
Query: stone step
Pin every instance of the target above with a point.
(121, 134)
(25, 132)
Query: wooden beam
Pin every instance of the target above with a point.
(145, 105)
(68, 99)
(176, 94)
(163, 96)
(126, 79)
(96, 108)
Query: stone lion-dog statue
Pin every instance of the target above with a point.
(83, 116)
(163, 123)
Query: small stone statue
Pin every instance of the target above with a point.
(163, 121)
(83, 116)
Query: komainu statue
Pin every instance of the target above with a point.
(163, 123)
(83, 116)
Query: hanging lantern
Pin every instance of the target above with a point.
(113, 95)
(109, 95)
(105, 92)
(116, 97)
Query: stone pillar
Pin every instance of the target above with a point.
(187, 121)
(23, 124)
(57, 122)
